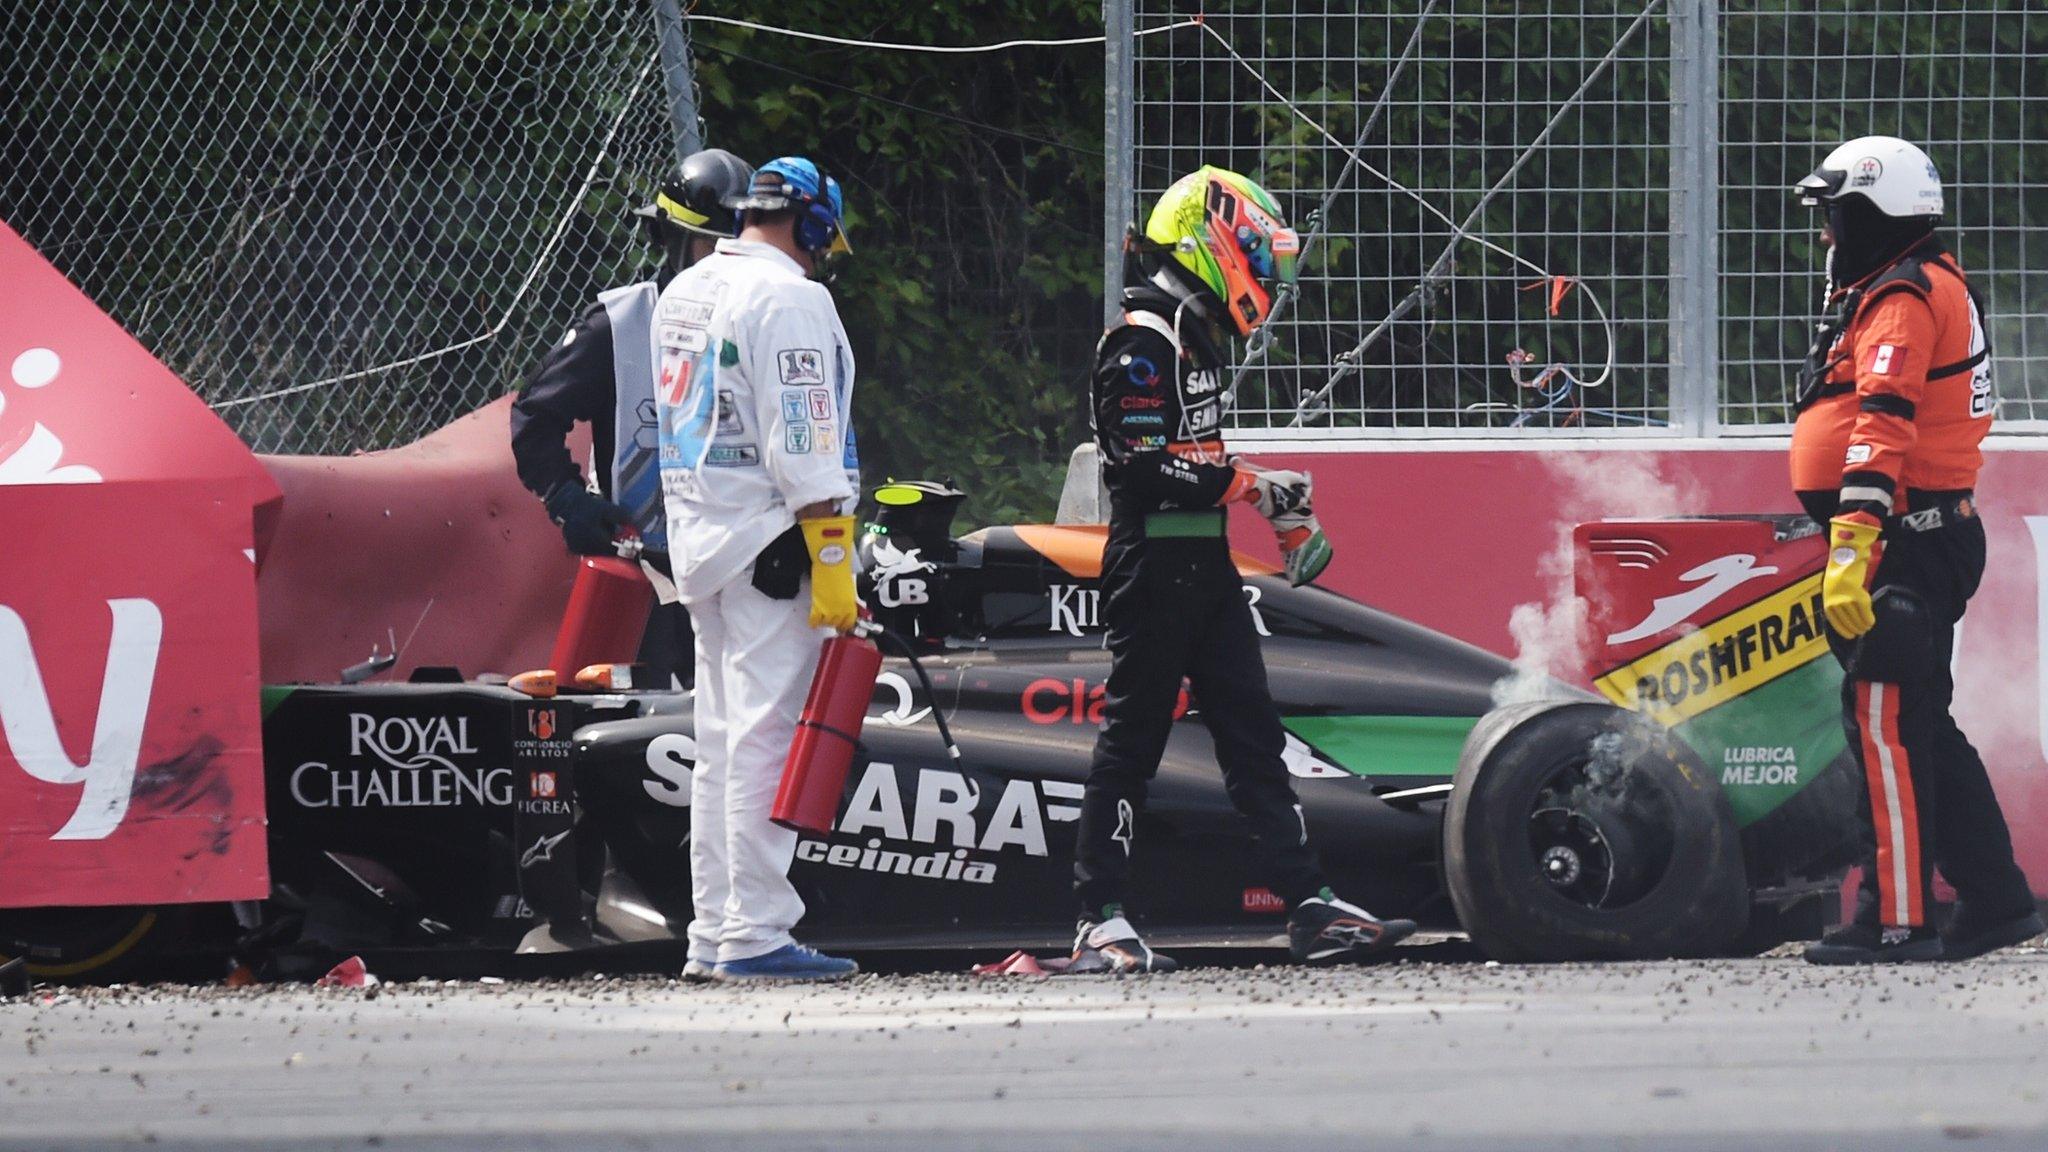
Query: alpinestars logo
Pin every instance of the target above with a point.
(543, 849)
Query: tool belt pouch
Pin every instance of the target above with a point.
(780, 568)
(1899, 649)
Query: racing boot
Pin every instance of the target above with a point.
(1325, 930)
(1112, 945)
(1969, 936)
(1861, 942)
(697, 971)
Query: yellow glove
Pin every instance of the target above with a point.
(1845, 586)
(830, 539)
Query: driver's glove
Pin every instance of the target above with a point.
(1286, 499)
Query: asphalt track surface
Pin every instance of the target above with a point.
(1695, 1056)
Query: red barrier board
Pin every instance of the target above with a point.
(130, 757)
(132, 770)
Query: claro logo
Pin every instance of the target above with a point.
(30, 724)
(1050, 701)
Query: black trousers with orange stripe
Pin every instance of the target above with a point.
(1928, 801)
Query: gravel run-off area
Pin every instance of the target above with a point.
(1702, 1056)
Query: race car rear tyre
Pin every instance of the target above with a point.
(1580, 831)
(86, 945)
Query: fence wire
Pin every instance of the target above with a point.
(1965, 79)
(343, 224)
(1473, 346)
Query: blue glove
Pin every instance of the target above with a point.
(589, 521)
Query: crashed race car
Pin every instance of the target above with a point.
(473, 817)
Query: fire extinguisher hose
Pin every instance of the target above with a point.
(875, 630)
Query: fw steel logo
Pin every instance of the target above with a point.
(30, 724)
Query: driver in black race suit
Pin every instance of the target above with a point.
(1172, 599)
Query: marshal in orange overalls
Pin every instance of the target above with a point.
(1896, 400)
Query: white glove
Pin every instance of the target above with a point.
(1286, 499)
(1276, 493)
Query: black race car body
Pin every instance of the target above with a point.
(461, 812)
(444, 814)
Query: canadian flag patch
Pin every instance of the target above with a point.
(1882, 358)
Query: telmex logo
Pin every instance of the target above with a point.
(30, 724)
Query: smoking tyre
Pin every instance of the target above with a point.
(1581, 831)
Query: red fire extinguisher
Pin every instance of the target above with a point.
(607, 614)
(826, 735)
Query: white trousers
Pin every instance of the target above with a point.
(755, 659)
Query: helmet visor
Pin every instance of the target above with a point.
(1822, 185)
(1271, 256)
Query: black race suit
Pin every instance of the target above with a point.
(574, 382)
(1174, 604)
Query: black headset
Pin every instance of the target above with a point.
(818, 224)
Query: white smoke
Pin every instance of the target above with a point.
(1551, 637)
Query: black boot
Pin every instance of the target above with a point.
(1967, 935)
(1325, 930)
(1864, 943)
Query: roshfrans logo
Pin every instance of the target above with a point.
(1712, 580)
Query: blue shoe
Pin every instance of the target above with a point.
(790, 963)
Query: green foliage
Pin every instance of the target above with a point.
(973, 194)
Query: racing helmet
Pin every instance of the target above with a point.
(1895, 176)
(692, 199)
(796, 182)
(1882, 196)
(1227, 234)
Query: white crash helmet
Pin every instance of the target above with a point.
(1893, 174)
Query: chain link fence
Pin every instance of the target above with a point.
(1504, 196)
(343, 224)
(1965, 79)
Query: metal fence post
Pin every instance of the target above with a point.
(1695, 206)
(1119, 64)
(677, 78)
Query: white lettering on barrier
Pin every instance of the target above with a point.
(30, 724)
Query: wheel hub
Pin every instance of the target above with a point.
(1561, 866)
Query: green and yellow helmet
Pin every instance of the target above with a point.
(1228, 233)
